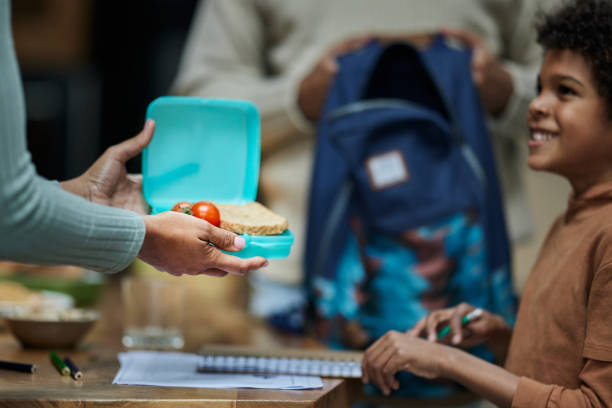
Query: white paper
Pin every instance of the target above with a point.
(170, 369)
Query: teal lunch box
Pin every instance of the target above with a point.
(207, 150)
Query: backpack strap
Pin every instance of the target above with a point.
(336, 216)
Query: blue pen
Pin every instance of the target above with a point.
(473, 315)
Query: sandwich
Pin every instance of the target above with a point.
(251, 218)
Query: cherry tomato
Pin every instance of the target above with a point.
(183, 206)
(206, 211)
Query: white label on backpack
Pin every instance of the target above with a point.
(386, 169)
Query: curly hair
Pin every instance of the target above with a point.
(584, 27)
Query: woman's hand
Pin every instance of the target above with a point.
(489, 328)
(181, 244)
(107, 181)
(397, 351)
(491, 78)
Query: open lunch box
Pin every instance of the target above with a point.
(207, 150)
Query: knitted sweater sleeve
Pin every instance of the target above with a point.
(40, 222)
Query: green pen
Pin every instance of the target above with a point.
(59, 363)
(473, 315)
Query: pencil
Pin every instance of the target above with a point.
(59, 363)
(473, 315)
(23, 367)
(74, 370)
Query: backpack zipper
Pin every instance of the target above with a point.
(370, 104)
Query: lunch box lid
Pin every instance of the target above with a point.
(206, 149)
(202, 149)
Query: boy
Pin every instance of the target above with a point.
(560, 351)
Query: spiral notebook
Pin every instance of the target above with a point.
(324, 363)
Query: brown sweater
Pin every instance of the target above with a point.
(562, 342)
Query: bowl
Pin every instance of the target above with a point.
(62, 329)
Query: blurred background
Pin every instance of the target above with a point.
(90, 68)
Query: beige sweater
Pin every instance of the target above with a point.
(260, 49)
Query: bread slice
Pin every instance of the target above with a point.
(251, 218)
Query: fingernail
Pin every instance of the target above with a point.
(148, 123)
(265, 264)
(456, 339)
(239, 242)
(431, 337)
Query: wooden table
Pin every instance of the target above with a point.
(47, 388)
(97, 358)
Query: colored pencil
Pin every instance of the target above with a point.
(74, 370)
(59, 363)
(473, 315)
(23, 367)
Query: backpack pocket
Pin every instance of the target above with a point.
(407, 166)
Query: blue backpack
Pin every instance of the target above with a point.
(403, 171)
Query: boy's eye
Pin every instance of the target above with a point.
(566, 90)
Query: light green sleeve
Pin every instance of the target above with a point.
(40, 222)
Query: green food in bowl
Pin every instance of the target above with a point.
(85, 292)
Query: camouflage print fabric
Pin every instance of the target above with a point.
(387, 283)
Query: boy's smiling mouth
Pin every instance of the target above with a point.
(541, 135)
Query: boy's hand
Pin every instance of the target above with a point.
(397, 351)
(476, 332)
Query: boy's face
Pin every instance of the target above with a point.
(570, 133)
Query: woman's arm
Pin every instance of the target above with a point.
(40, 222)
